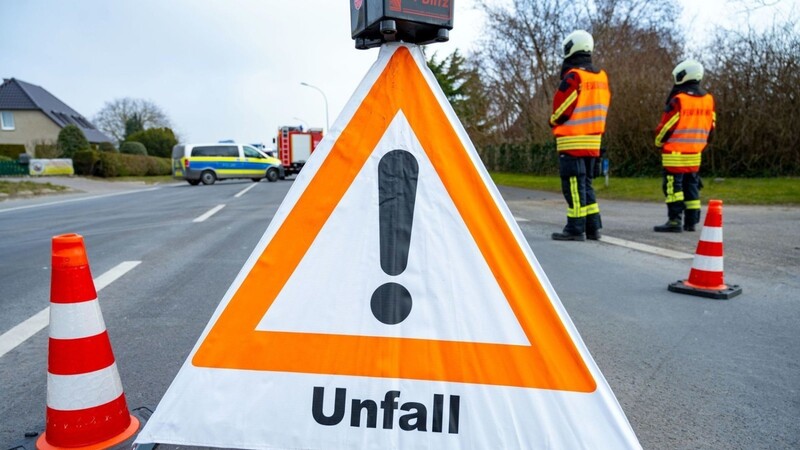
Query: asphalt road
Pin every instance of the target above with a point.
(689, 372)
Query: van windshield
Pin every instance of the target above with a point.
(250, 152)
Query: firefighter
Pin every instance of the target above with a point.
(683, 133)
(580, 107)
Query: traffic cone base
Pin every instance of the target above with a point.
(42, 444)
(722, 292)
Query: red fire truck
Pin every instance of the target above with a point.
(295, 145)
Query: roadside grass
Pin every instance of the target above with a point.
(20, 188)
(735, 191)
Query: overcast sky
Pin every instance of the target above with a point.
(220, 69)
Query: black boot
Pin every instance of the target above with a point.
(690, 219)
(672, 226)
(564, 236)
(593, 225)
(573, 231)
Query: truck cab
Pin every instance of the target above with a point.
(295, 145)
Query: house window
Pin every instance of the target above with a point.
(6, 120)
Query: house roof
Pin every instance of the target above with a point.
(22, 96)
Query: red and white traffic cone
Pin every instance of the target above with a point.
(86, 407)
(706, 277)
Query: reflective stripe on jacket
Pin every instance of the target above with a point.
(582, 132)
(682, 150)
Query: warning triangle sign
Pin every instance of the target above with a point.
(392, 266)
(550, 361)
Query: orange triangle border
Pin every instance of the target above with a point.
(552, 361)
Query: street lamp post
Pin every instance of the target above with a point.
(301, 120)
(326, 103)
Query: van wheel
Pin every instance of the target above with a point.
(208, 177)
(272, 175)
(193, 182)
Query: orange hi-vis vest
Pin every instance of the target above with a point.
(684, 147)
(581, 134)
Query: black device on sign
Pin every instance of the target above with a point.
(374, 22)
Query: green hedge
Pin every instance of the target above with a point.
(107, 165)
(12, 150)
(538, 159)
(133, 148)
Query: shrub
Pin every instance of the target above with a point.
(5, 158)
(158, 141)
(12, 150)
(83, 161)
(107, 147)
(133, 148)
(125, 165)
(46, 149)
(71, 139)
(533, 158)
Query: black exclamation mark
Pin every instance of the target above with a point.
(397, 189)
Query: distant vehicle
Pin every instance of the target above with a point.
(295, 146)
(207, 163)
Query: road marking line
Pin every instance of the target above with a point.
(244, 191)
(22, 332)
(208, 214)
(114, 273)
(520, 219)
(77, 199)
(645, 248)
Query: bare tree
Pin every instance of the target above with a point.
(755, 78)
(114, 116)
(636, 41)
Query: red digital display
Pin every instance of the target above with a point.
(431, 9)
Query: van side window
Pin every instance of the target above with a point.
(250, 152)
(216, 150)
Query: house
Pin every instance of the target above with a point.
(29, 114)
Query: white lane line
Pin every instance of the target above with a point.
(22, 332)
(114, 273)
(520, 219)
(208, 214)
(645, 248)
(77, 199)
(244, 191)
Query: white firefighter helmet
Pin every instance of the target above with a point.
(689, 70)
(577, 41)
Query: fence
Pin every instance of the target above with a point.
(13, 168)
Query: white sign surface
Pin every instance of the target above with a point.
(392, 303)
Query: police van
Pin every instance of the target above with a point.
(207, 163)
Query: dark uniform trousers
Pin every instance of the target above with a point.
(682, 193)
(583, 213)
